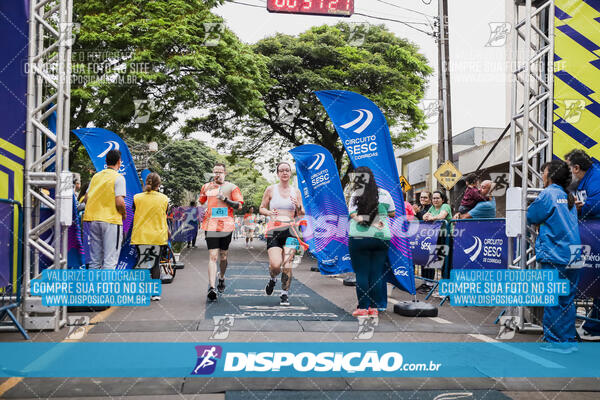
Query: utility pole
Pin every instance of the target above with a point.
(445, 111)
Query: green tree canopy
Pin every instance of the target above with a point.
(138, 64)
(183, 165)
(387, 69)
(252, 184)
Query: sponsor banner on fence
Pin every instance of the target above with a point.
(589, 276)
(289, 359)
(363, 129)
(424, 244)
(98, 142)
(185, 222)
(323, 199)
(504, 287)
(480, 244)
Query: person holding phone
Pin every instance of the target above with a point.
(221, 199)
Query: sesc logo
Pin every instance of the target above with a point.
(207, 359)
(474, 250)
(318, 163)
(362, 112)
(111, 145)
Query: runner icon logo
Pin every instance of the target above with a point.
(207, 359)
(366, 328)
(223, 325)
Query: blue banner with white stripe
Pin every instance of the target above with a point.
(364, 132)
(98, 142)
(326, 210)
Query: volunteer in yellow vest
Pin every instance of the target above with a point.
(105, 212)
(150, 225)
(221, 198)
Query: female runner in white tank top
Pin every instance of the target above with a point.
(281, 203)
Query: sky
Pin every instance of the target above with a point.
(477, 65)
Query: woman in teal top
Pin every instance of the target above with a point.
(369, 239)
(439, 210)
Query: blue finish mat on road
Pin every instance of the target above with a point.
(245, 298)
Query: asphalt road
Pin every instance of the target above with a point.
(320, 311)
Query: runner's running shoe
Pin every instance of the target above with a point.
(212, 295)
(270, 287)
(284, 300)
(221, 285)
(360, 312)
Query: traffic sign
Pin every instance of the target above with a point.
(447, 175)
(404, 184)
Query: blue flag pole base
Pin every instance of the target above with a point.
(415, 309)
(314, 269)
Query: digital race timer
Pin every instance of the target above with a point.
(339, 8)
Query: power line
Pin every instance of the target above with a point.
(407, 23)
(404, 8)
(245, 4)
(400, 22)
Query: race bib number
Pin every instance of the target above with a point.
(218, 212)
(292, 242)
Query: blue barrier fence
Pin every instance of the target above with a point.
(11, 250)
(483, 244)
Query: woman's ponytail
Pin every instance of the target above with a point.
(152, 182)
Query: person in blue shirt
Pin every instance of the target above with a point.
(588, 204)
(555, 212)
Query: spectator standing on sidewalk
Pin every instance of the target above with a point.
(472, 195)
(427, 273)
(425, 204)
(440, 209)
(555, 213)
(483, 209)
(369, 239)
(194, 224)
(104, 212)
(587, 201)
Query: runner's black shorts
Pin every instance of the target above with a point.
(277, 238)
(218, 240)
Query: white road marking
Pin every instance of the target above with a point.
(483, 338)
(521, 353)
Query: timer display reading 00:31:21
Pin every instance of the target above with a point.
(338, 8)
